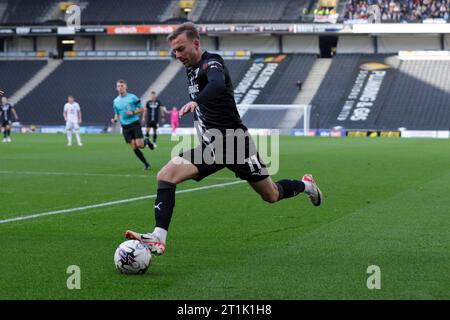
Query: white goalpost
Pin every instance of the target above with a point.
(276, 116)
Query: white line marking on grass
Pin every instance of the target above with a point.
(46, 173)
(111, 203)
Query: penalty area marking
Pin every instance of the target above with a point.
(111, 203)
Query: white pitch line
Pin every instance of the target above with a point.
(47, 173)
(105, 204)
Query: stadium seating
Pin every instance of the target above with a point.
(419, 98)
(332, 88)
(33, 12)
(11, 80)
(281, 88)
(252, 11)
(92, 82)
(95, 12)
(25, 12)
(266, 119)
(397, 10)
(118, 11)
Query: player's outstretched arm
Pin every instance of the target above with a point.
(188, 108)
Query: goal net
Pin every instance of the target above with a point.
(284, 117)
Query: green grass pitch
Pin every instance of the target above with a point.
(387, 203)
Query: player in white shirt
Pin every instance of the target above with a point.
(72, 115)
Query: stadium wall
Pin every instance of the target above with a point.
(83, 43)
(447, 42)
(46, 44)
(18, 44)
(121, 42)
(395, 43)
(256, 44)
(260, 44)
(300, 44)
(355, 44)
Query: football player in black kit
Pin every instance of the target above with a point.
(212, 101)
(6, 111)
(153, 110)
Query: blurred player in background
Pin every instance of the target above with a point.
(174, 120)
(72, 116)
(127, 109)
(214, 107)
(152, 112)
(6, 111)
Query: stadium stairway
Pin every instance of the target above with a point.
(197, 10)
(313, 81)
(163, 79)
(169, 11)
(294, 117)
(341, 7)
(3, 6)
(11, 80)
(35, 80)
(93, 83)
(281, 87)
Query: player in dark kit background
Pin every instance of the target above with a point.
(212, 101)
(7, 111)
(154, 110)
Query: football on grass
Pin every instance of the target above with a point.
(132, 257)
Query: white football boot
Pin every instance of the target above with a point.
(315, 195)
(154, 243)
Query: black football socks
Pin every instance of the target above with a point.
(141, 157)
(288, 188)
(164, 204)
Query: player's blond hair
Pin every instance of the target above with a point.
(187, 28)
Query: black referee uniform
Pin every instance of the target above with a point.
(153, 111)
